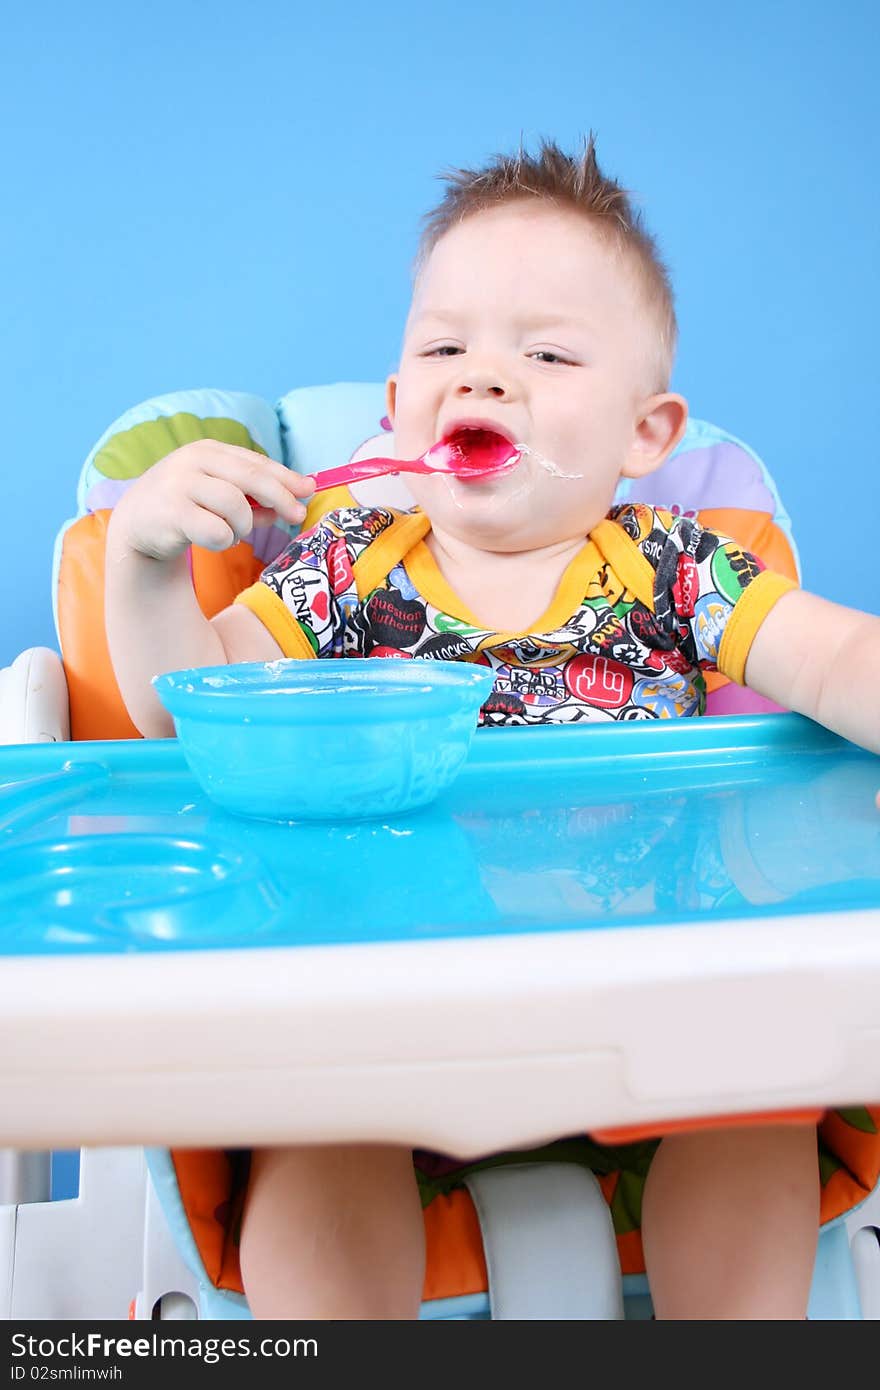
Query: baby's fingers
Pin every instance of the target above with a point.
(221, 514)
(264, 515)
(204, 527)
(235, 462)
(265, 483)
(279, 496)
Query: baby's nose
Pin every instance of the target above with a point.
(482, 382)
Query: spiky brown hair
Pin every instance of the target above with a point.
(568, 181)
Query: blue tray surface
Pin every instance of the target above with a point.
(112, 847)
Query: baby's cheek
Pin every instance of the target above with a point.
(428, 493)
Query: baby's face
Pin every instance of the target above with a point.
(523, 318)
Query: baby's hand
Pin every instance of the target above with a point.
(209, 494)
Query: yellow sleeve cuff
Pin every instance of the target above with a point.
(277, 617)
(748, 615)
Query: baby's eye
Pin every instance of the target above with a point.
(444, 350)
(544, 355)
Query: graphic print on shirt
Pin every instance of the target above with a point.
(612, 658)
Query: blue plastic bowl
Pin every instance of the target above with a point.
(325, 740)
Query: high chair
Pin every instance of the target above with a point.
(530, 1237)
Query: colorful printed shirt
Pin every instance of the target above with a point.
(649, 603)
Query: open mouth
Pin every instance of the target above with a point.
(483, 450)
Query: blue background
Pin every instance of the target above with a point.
(229, 195)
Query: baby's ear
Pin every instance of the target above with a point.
(391, 397)
(661, 422)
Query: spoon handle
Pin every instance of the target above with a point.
(366, 468)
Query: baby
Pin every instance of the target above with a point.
(540, 310)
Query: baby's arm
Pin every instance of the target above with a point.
(822, 660)
(197, 495)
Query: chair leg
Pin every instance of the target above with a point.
(863, 1228)
(170, 1290)
(82, 1257)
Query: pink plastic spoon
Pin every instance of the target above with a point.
(468, 454)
